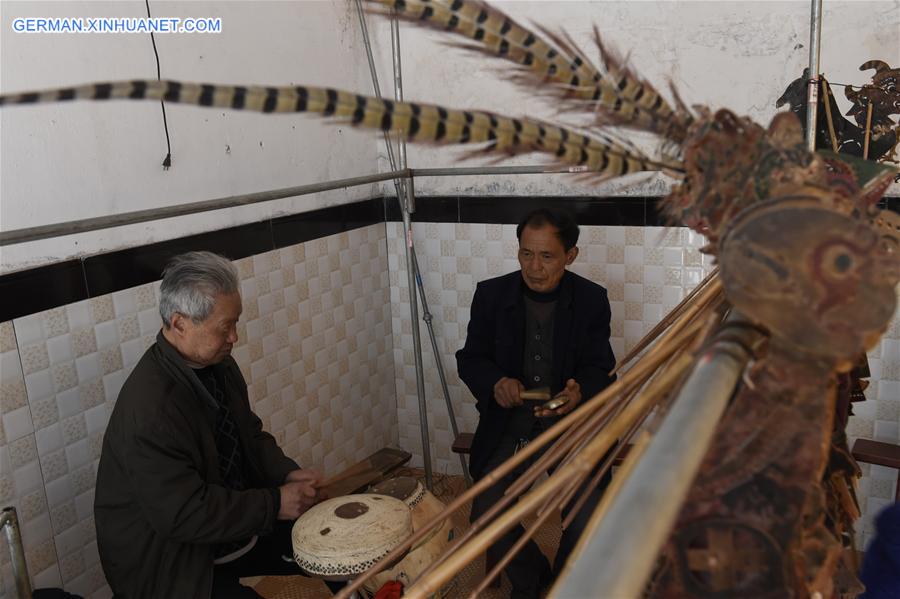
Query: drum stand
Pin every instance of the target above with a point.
(406, 198)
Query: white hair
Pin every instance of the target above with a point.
(191, 283)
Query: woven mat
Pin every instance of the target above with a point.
(445, 489)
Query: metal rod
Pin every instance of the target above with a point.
(10, 524)
(407, 206)
(86, 225)
(150, 214)
(493, 170)
(399, 186)
(812, 89)
(417, 342)
(427, 317)
(398, 96)
(612, 560)
(367, 44)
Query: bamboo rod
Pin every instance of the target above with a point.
(525, 480)
(490, 479)
(598, 476)
(563, 445)
(701, 334)
(674, 362)
(611, 559)
(868, 131)
(618, 481)
(586, 433)
(673, 315)
(642, 368)
(585, 462)
(516, 548)
(826, 91)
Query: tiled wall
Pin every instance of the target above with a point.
(878, 418)
(646, 270)
(314, 347)
(326, 347)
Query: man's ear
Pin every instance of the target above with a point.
(571, 255)
(179, 323)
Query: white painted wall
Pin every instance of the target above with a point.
(65, 162)
(736, 55)
(73, 161)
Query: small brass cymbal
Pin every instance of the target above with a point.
(556, 402)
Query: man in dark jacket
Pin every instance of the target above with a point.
(542, 326)
(191, 492)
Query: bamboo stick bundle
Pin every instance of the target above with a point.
(571, 444)
(703, 292)
(572, 485)
(580, 467)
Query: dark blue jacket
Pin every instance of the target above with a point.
(495, 343)
(881, 566)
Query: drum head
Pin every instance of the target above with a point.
(342, 537)
(405, 488)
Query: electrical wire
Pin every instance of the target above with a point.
(167, 161)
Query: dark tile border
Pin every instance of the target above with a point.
(429, 209)
(42, 288)
(106, 273)
(37, 289)
(297, 228)
(635, 211)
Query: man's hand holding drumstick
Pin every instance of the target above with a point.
(510, 392)
(299, 492)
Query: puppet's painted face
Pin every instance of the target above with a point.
(821, 281)
(543, 257)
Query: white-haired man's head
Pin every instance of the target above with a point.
(200, 304)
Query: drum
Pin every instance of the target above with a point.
(342, 537)
(423, 506)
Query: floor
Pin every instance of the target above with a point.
(445, 489)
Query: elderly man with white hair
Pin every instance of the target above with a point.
(191, 492)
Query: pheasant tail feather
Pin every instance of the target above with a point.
(420, 123)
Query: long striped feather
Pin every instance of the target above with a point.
(617, 97)
(421, 123)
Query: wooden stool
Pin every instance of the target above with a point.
(462, 443)
(880, 454)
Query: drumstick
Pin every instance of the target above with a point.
(357, 470)
(541, 394)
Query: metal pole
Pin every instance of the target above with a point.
(10, 524)
(367, 44)
(141, 216)
(617, 553)
(398, 96)
(812, 93)
(407, 206)
(493, 170)
(86, 225)
(427, 317)
(399, 186)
